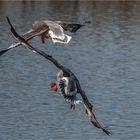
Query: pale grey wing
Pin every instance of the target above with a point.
(56, 29)
(56, 33)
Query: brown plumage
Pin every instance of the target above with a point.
(48, 29)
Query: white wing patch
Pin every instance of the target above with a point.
(14, 45)
(74, 102)
(57, 35)
(66, 40)
(66, 81)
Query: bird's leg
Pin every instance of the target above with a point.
(72, 106)
(43, 38)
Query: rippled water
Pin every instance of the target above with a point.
(105, 56)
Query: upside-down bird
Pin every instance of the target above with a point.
(68, 88)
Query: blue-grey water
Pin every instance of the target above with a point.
(104, 55)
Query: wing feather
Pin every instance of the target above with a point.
(68, 96)
(38, 28)
(62, 87)
(67, 26)
(94, 121)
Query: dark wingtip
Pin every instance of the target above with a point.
(3, 51)
(75, 28)
(8, 20)
(87, 22)
(106, 131)
(7, 17)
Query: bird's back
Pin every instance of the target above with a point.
(39, 26)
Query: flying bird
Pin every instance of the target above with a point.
(68, 88)
(52, 29)
(65, 72)
(48, 29)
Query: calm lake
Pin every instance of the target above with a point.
(104, 55)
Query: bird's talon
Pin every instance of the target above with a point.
(72, 106)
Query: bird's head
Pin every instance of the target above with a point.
(53, 86)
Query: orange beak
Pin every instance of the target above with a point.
(53, 86)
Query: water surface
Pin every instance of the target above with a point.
(105, 56)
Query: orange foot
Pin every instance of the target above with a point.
(43, 38)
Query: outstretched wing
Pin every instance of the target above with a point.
(72, 27)
(88, 109)
(94, 121)
(87, 104)
(30, 34)
(38, 28)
